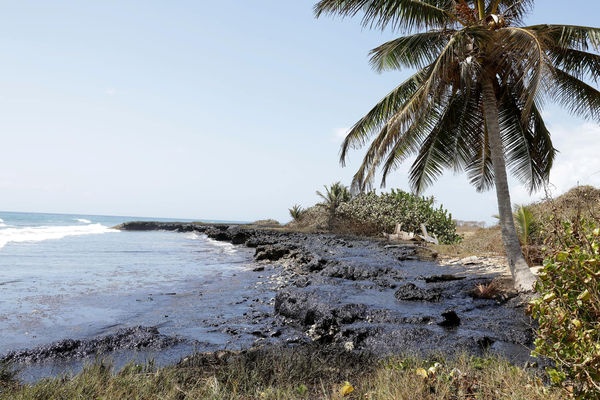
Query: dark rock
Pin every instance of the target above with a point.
(270, 252)
(259, 269)
(485, 343)
(355, 272)
(322, 318)
(443, 278)
(411, 292)
(451, 319)
(239, 237)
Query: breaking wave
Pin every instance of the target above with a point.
(84, 221)
(224, 246)
(41, 233)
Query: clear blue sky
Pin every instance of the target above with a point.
(218, 110)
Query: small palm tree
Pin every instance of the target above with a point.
(297, 212)
(525, 226)
(334, 195)
(475, 102)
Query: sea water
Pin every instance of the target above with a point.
(74, 276)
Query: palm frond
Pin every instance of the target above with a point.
(526, 48)
(408, 140)
(577, 96)
(528, 146)
(514, 10)
(379, 115)
(569, 36)
(480, 170)
(434, 157)
(413, 51)
(396, 14)
(580, 64)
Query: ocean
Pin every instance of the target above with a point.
(74, 276)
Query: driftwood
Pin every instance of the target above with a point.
(426, 237)
(401, 235)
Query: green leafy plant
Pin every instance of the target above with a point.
(526, 228)
(334, 195)
(382, 212)
(525, 223)
(568, 309)
(297, 212)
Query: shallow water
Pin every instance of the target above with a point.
(95, 280)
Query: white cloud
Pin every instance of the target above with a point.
(339, 134)
(578, 161)
(111, 91)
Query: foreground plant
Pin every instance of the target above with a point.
(475, 102)
(568, 309)
(299, 373)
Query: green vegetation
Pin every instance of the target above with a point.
(381, 213)
(300, 373)
(334, 195)
(370, 214)
(526, 229)
(568, 309)
(296, 212)
(474, 104)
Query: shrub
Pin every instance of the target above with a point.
(383, 212)
(579, 202)
(568, 307)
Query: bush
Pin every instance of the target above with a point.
(381, 213)
(579, 202)
(568, 307)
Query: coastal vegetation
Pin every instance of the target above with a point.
(538, 226)
(372, 214)
(296, 373)
(564, 234)
(475, 101)
(296, 212)
(568, 308)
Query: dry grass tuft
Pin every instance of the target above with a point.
(487, 291)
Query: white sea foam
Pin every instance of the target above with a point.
(84, 221)
(2, 223)
(225, 246)
(41, 233)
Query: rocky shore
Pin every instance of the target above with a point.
(355, 293)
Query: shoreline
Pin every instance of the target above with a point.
(359, 294)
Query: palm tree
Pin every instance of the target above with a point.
(474, 103)
(296, 212)
(334, 195)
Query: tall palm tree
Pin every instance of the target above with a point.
(474, 103)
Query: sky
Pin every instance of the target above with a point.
(230, 110)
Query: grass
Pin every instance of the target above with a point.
(476, 242)
(300, 373)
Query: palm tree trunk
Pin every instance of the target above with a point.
(522, 275)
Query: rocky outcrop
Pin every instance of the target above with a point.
(136, 338)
